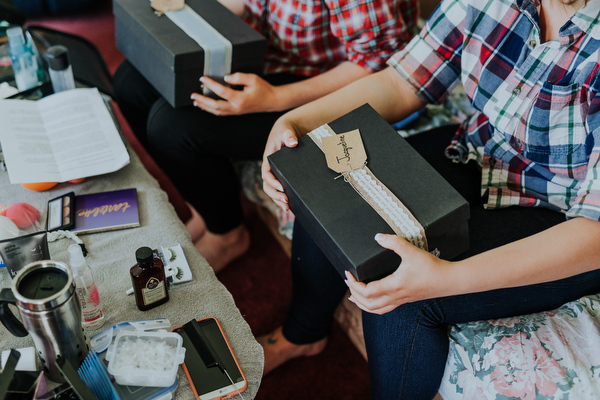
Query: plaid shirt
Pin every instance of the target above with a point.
(310, 37)
(537, 129)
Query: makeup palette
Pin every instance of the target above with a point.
(61, 213)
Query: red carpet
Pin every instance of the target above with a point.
(260, 280)
(260, 283)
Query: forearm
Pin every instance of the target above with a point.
(235, 6)
(385, 91)
(564, 250)
(298, 93)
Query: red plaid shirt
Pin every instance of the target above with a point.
(311, 37)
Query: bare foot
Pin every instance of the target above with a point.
(220, 250)
(195, 225)
(278, 350)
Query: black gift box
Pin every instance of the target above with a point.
(343, 224)
(171, 60)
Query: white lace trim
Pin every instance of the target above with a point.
(376, 194)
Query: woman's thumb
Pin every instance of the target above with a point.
(392, 242)
(290, 138)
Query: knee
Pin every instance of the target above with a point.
(160, 125)
(186, 130)
(408, 317)
(131, 89)
(121, 77)
(169, 130)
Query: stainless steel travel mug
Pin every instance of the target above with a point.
(44, 292)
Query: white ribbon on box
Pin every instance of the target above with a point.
(217, 49)
(379, 197)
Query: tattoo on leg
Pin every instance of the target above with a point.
(272, 339)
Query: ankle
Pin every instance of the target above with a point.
(195, 225)
(278, 350)
(221, 249)
(237, 236)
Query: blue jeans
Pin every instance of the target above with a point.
(407, 348)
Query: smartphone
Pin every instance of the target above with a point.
(210, 364)
(61, 213)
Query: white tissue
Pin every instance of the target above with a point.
(6, 90)
(8, 229)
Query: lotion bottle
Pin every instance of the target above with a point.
(86, 289)
(148, 280)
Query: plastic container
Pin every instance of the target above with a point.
(155, 369)
(24, 61)
(100, 342)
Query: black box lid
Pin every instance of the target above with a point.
(343, 224)
(172, 46)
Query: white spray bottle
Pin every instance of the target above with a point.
(85, 286)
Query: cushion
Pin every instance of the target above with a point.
(549, 355)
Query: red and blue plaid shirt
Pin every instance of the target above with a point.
(537, 129)
(310, 37)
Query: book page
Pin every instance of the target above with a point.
(68, 135)
(25, 144)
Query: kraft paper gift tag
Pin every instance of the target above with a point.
(345, 152)
(162, 6)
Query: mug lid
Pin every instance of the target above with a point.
(43, 285)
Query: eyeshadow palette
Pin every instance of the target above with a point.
(61, 213)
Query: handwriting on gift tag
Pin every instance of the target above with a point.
(162, 6)
(345, 152)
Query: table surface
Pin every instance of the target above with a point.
(111, 254)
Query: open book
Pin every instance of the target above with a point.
(64, 136)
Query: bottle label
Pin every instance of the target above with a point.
(154, 291)
(90, 303)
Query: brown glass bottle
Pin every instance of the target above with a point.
(148, 280)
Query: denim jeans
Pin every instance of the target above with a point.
(407, 347)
